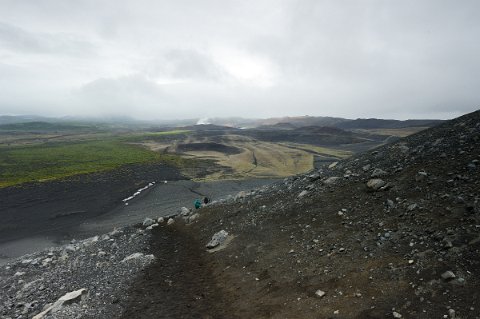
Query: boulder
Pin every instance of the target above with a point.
(184, 211)
(217, 239)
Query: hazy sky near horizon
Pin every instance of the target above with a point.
(182, 59)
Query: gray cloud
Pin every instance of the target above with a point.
(20, 40)
(404, 59)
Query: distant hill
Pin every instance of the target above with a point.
(300, 121)
(43, 127)
(12, 119)
(373, 123)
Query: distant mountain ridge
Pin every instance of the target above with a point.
(234, 122)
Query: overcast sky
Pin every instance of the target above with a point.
(204, 58)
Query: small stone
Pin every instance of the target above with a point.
(390, 203)
(448, 275)
(184, 211)
(170, 221)
(375, 184)
(137, 256)
(152, 226)
(421, 176)
(412, 207)
(396, 315)
(378, 173)
(193, 217)
(147, 222)
(320, 293)
(331, 166)
(161, 220)
(303, 193)
(331, 180)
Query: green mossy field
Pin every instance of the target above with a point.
(19, 164)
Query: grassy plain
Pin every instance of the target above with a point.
(34, 158)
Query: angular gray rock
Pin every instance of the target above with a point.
(302, 193)
(448, 275)
(377, 172)
(147, 222)
(376, 184)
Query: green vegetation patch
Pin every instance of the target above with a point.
(52, 161)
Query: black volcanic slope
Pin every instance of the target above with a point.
(408, 247)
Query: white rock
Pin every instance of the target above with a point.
(67, 299)
(217, 239)
(170, 221)
(396, 315)
(331, 166)
(184, 211)
(147, 222)
(302, 193)
(161, 220)
(320, 293)
(152, 226)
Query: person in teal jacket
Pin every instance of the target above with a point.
(197, 203)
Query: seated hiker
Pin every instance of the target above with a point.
(197, 203)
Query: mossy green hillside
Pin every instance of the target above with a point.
(58, 160)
